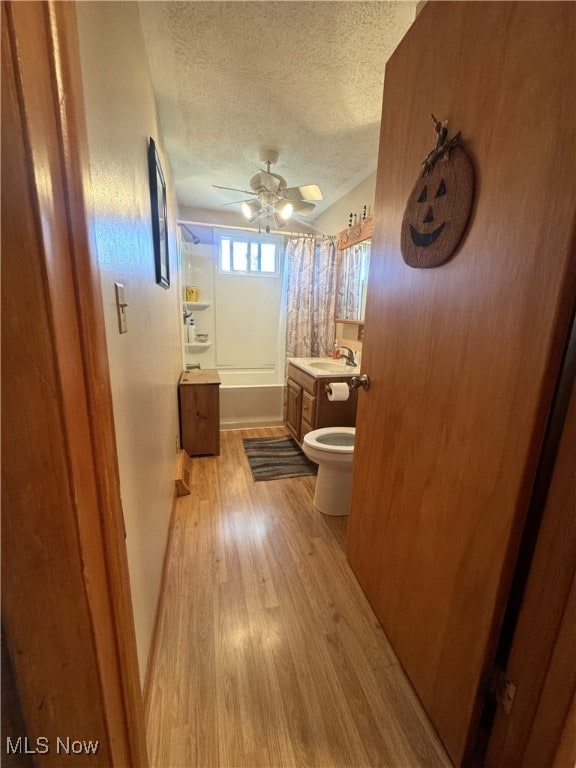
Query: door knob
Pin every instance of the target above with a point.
(359, 381)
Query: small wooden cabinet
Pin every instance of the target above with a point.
(308, 407)
(199, 408)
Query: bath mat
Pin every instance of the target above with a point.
(272, 458)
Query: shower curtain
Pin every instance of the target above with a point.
(311, 296)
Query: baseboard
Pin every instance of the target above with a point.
(250, 424)
(150, 666)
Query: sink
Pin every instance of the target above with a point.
(331, 366)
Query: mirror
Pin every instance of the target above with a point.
(353, 265)
(352, 282)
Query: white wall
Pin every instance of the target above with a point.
(145, 362)
(335, 218)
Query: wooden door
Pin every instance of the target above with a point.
(66, 608)
(463, 358)
(541, 658)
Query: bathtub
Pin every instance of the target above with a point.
(251, 398)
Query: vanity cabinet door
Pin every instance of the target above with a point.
(293, 407)
(305, 427)
(308, 411)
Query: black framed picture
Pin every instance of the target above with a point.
(159, 221)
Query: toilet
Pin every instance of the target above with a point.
(332, 448)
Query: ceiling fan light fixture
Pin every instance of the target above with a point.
(285, 210)
(250, 209)
(275, 202)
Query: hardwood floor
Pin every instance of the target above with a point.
(267, 652)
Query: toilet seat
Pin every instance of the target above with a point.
(331, 439)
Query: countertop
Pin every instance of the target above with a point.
(339, 368)
(200, 376)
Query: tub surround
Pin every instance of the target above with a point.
(251, 399)
(307, 404)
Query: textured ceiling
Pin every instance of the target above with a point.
(304, 78)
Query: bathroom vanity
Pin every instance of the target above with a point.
(307, 404)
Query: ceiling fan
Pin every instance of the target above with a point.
(272, 201)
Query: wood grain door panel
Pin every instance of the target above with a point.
(463, 358)
(541, 659)
(308, 409)
(293, 407)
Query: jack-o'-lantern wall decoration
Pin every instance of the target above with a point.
(439, 206)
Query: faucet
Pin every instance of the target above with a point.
(349, 357)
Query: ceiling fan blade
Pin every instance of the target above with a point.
(302, 208)
(235, 202)
(279, 222)
(234, 189)
(306, 192)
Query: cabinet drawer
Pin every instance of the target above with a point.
(306, 381)
(308, 407)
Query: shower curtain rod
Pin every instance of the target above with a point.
(318, 236)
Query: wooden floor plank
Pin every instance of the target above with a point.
(267, 651)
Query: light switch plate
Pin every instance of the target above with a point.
(121, 305)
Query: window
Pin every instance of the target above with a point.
(248, 254)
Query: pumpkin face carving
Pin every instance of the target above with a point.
(437, 211)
